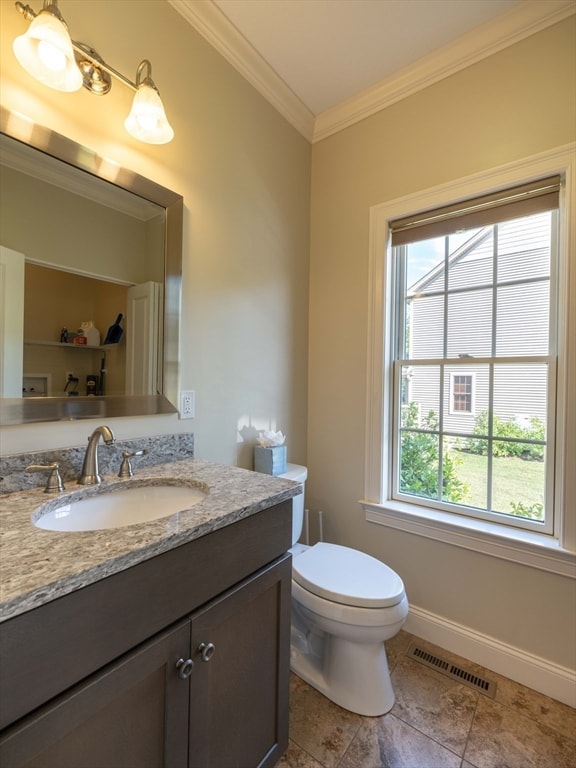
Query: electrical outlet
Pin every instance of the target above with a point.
(187, 404)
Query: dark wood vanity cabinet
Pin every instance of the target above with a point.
(131, 715)
(210, 690)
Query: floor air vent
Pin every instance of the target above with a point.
(487, 687)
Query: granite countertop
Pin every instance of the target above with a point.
(37, 566)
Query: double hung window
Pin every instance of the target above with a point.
(474, 357)
(462, 392)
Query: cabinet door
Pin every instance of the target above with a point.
(134, 714)
(240, 684)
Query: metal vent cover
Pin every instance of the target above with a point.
(487, 687)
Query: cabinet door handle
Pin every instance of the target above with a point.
(206, 651)
(184, 668)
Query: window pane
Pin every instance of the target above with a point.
(424, 261)
(455, 489)
(518, 485)
(523, 312)
(425, 327)
(419, 461)
(520, 398)
(422, 389)
(465, 386)
(471, 261)
(524, 247)
(419, 446)
(472, 470)
(470, 324)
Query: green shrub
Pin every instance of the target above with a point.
(533, 511)
(420, 456)
(512, 431)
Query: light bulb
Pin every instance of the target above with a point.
(51, 56)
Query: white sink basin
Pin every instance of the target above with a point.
(116, 508)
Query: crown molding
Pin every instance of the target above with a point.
(214, 26)
(521, 21)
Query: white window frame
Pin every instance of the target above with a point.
(554, 553)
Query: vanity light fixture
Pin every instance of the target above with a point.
(47, 52)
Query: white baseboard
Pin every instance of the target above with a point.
(532, 671)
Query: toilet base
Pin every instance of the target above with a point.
(354, 676)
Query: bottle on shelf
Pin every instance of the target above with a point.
(91, 333)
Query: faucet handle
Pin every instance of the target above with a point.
(126, 466)
(54, 483)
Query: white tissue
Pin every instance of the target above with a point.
(270, 439)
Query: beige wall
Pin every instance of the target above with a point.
(514, 104)
(244, 173)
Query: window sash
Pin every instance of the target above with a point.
(545, 527)
(401, 359)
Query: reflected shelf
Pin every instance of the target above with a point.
(39, 343)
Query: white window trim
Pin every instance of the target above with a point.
(451, 410)
(551, 553)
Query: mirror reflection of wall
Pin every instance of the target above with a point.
(62, 228)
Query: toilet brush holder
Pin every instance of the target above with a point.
(271, 461)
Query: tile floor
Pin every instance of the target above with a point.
(435, 723)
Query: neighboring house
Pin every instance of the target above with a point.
(453, 309)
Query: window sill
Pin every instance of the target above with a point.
(517, 546)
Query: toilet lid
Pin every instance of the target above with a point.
(346, 576)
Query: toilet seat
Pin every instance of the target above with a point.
(347, 576)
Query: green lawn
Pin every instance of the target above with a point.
(513, 480)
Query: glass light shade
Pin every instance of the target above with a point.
(45, 51)
(147, 120)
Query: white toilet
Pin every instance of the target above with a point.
(345, 604)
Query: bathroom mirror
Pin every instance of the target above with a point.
(96, 241)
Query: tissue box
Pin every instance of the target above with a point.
(271, 461)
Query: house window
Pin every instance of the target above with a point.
(474, 334)
(461, 393)
(476, 304)
(408, 385)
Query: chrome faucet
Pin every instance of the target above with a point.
(90, 474)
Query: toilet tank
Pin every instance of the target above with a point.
(298, 474)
